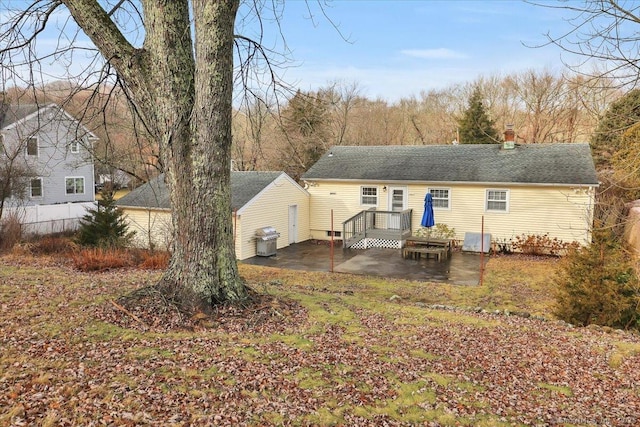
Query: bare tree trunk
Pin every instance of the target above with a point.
(185, 103)
(199, 174)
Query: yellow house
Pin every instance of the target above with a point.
(258, 199)
(376, 194)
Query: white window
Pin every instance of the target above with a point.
(369, 196)
(32, 146)
(441, 198)
(497, 200)
(35, 187)
(75, 185)
(74, 147)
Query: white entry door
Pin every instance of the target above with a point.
(293, 223)
(397, 203)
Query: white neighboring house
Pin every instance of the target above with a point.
(53, 148)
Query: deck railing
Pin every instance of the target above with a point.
(390, 225)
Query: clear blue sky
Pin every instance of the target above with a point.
(397, 48)
(393, 49)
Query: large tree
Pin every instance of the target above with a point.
(476, 127)
(179, 78)
(304, 131)
(603, 32)
(621, 115)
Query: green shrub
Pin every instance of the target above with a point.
(105, 225)
(597, 284)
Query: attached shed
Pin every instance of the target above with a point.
(258, 199)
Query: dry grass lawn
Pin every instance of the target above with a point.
(317, 349)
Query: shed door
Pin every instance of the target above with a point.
(293, 223)
(397, 203)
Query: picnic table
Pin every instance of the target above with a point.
(428, 246)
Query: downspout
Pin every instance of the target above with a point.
(235, 225)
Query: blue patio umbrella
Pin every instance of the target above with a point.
(428, 220)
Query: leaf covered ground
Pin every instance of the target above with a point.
(314, 349)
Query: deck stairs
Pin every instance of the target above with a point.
(373, 228)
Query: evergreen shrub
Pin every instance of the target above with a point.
(597, 284)
(105, 225)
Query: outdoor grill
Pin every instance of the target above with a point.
(266, 241)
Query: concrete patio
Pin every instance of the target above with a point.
(461, 268)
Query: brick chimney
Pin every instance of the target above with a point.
(509, 138)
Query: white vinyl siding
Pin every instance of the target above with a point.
(572, 211)
(153, 228)
(74, 185)
(45, 145)
(369, 196)
(338, 198)
(441, 198)
(35, 188)
(497, 201)
(271, 208)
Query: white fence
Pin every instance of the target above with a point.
(48, 219)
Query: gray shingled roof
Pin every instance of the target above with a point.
(10, 113)
(483, 163)
(153, 194)
(244, 187)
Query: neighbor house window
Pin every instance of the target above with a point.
(75, 185)
(32, 146)
(35, 187)
(497, 200)
(369, 196)
(74, 146)
(440, 197)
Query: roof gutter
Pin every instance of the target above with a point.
(311, 181)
